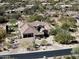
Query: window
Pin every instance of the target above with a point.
(28, 35)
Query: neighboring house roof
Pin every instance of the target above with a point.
(17, 9)
(66, 6)
(29, 6)
(46, 3)
(1, 4)
(72, 12)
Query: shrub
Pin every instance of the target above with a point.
(63, 37)
(3, 19)
(2, 34)
(55, 31)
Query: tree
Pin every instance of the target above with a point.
(38, 6)
(3, 19)
(65, 26)
(44, 42)
(68, 20)
(75, 7)
(67, 23)
(63, 37)
(36, 18)
(53, 2)
(71, 57)
(55, 31)
(12, 1)
(2, 10)
(2, 34)
(14, 16)
(30, 11)
(75, 51)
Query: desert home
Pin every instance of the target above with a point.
(33, 29)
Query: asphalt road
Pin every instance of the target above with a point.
(38, 54)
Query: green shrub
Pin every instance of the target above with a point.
(63, 37)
